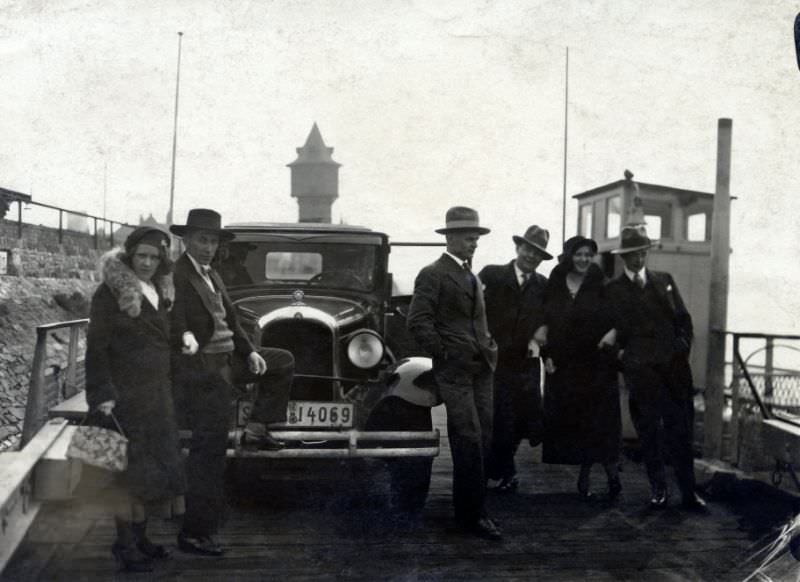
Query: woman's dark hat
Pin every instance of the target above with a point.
(149, 235)
(571, 245)
(202, 219)
(462, 218)
(632, 239)
(537, 237)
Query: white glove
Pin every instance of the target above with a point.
(106, 407)
(190, 345)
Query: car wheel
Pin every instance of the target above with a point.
(410, 480)
(409, 477)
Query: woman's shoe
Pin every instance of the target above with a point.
(583, 487)
(130, 559)
(614, 488)
(143, 543)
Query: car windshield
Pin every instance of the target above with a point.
(347, 266)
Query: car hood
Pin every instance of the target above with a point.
(344, 311)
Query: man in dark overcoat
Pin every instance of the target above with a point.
(514, 294)
(654, 332)
(210, 353)
(447, 318)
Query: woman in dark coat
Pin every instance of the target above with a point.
(581, 397)
(128, 371)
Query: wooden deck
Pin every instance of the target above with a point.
(315, 533)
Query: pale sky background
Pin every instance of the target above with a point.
(427, 104)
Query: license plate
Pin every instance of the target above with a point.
(301, 413)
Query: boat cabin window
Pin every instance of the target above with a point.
(658, 218)
(697, 227)
(585, 217)
(613, 216)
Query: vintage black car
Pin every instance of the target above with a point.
(324, 293)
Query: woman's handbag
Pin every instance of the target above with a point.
(101, 447)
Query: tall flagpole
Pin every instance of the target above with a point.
(175, 135)
(566, 119)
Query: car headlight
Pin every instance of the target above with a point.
(365, 349)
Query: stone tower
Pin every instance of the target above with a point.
(315, 179)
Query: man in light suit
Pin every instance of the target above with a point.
(514, 295)
(447, 318)
(210, 353)
(654, 331)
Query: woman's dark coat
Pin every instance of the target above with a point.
(581, 398)
(128, 361)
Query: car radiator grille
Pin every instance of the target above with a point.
(311, 344)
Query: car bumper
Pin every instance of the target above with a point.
(341, 444)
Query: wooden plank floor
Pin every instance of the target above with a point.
(316, 533)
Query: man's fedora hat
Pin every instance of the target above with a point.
(537, 237)
(632, 239)
(202, 219)
(462, 218)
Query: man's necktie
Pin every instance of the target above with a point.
(525, 278)
(469, 273)
(206, 269)
(637, 278)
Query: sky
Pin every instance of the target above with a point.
(427, 104)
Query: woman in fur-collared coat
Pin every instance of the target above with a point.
(581, 399)
(128, 374)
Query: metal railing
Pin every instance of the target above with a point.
(767, 387)
(39, 398)
(98, 224)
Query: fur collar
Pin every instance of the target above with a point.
(124, 284)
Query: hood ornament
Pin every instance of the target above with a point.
(297, 296)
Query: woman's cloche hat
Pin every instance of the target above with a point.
(537, 237)
(149, 235)
(571, 245)
(632, 239)
(202, 219)
(462, 218)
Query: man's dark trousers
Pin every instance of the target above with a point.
(206, 395)
(517, 398)
(661, 398)
(466, 389)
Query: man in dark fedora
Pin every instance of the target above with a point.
(447, 318)
(211, 352)
(514, 294)
(654, 332)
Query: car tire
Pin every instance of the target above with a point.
(409, 477)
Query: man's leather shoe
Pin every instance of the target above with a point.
(694, 503)
(485, 528)
(508, 485)
(203, 546)
(263, 442)
(658, 500)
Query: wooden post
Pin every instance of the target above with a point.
(769, 370)
(35, 406)
(718, 296)
(735, 450)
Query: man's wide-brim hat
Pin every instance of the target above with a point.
(202, 219)
(632, 239)
(537, 237)
(460, 218)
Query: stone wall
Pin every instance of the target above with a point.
(43, 252)
(26, 303)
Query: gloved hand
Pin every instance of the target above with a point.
(190, 345)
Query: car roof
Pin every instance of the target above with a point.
(303, 230)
